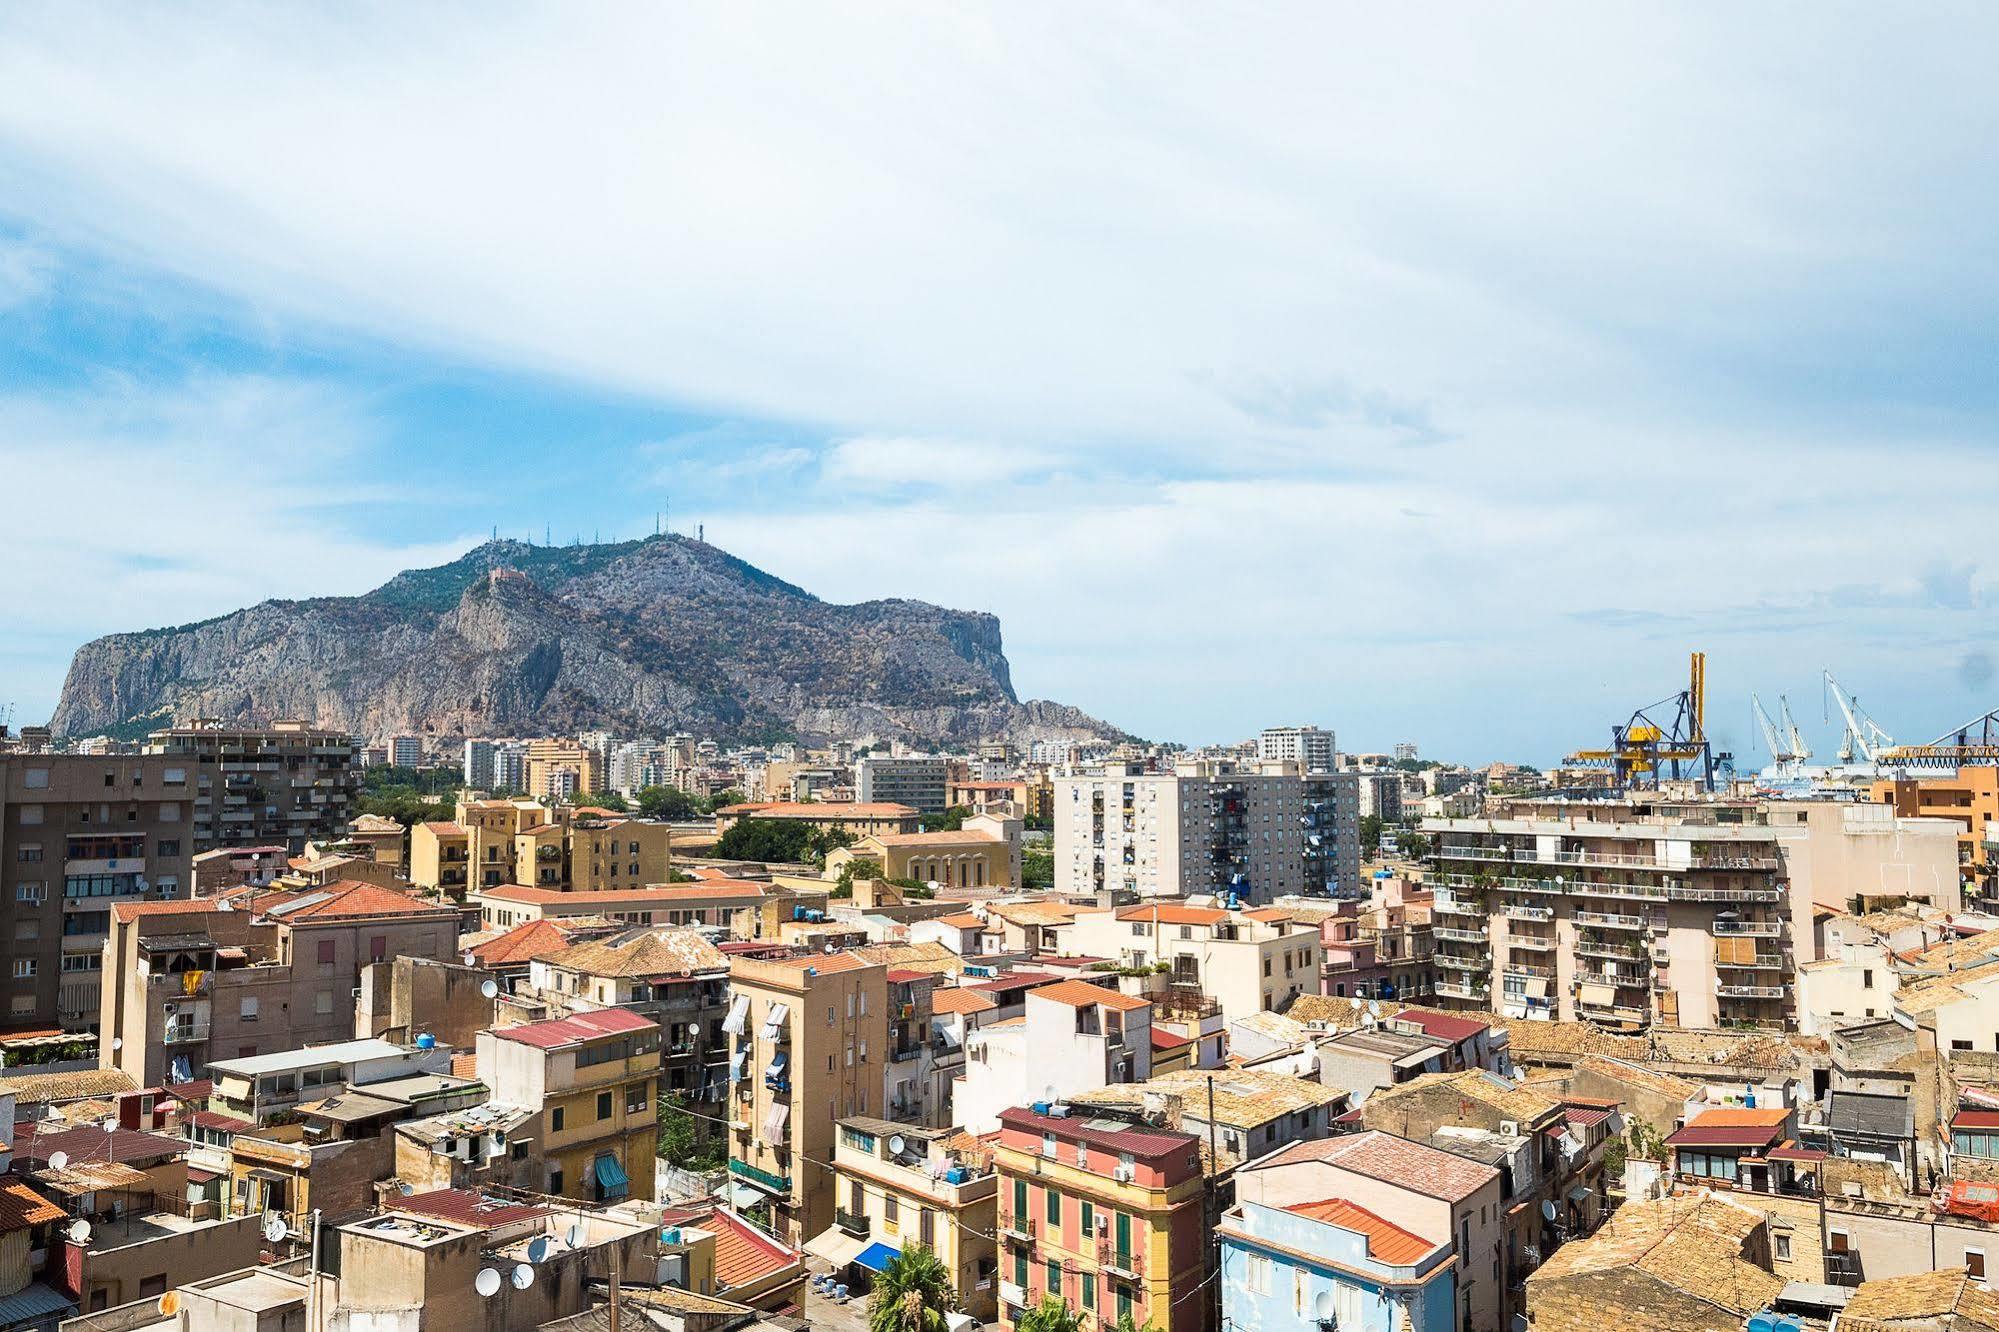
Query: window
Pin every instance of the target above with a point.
(153, 1285)
(1054, 1277)
(378, 947)
(635, 1100)
(891, 1210)
(1048, 1144)
(1089, 1290)
(1054, 1200)
(322, 1003)
(555, 1176)
(1089, 1218)
(36, 779)
(24, 968)
(247, 1010)
(555, 1124)
(1020, 1268)
(30, 853)
(1867, 979)
(34, 892)
(1782, 1244)
(326, 950)
(1840, 1241)
(30, 815)
(1020, 1207)
(1974, 1264)
(603, 1105)
(1257, 1273)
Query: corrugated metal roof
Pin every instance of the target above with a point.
(31, 1302)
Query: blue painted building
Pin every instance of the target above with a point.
(1332, 1264)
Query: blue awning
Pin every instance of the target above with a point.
(611, 1175)
(740, 1065)
(876, 1256)
(775, 1069)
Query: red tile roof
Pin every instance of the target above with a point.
(1017, 980)
(521, 944)
(21, 1207)
(1082, 994)
(745, 1255)
(1444, 1026)
(1386, 1241)
(793, 809)
(1699, 1134)
(1412, 1165)
(210, 1119)
(955, 999)
(1163, 1039)
(1975, 1119)
(134, 910)
(962, 920)
(1172, 913)
(351, 899)
(1148, 1143)
(679, 892)
(576, 1028)
(90, 1143)
(467, 1208)
(903, 975)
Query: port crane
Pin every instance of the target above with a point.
(1955, 748)
(1862, 735)
(1786, 743)
(1667, 738)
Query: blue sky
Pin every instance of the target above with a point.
(1441, 374)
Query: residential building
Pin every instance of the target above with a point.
(1334, 1262)
(858, 818)
(201, 980)
(1419, 1188)
(1209, 826)
(595, 1079)
(80, 835)
(984, 854)
(897, 1185)
(1252, 1112)
(491, 843)
(1073, 1036)
(226, 867)
(406, 751)
(809, 1032)
(554, 770)
(290, 782)
(733, 904)
(1247, 961)
(1379, 795)
(1694, 1263)
(478, 768)
(1966, 797)
(916, 782)
(1110, 1215)
(261, 1089)
(474, 1147)
(1309, 747)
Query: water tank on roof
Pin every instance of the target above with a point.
(426, 1041)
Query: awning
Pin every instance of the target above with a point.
(877, 1256)
(774, 1124)
(1600, 996)
(775, 1068)
(774, 1018)
(739, 1009)
(1578, 1193)
(611, 1175)
(1534, 988)
(742, 1195)
(835, 1245)
(740, 1065)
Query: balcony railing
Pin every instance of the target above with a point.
(1459, 936)
(1611, 920)
(1019, 1229)
(1527, 969)
(1751, 991)
(1456, 963)
(1521, 911)
(854, 1223)
(1758, 929)
(1123, 1263)
(1453, 990)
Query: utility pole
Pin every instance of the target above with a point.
(1213, 1240)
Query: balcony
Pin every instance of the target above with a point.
(1522, 911)
(1611, 920)
(854, 1223)
(1756, 929)
(1608, 948)
(1018, 1229)
(1453, 990)
(1539, 943)
(1121, 1264)
(1453, 962)
(1614, 1012)
(1751, 991)
(744, 1170)
(1528, 969)
(1459, 936)
(1682, 894)
(1761, 962)
(185, 1033)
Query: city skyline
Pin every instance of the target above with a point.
(1445, 385)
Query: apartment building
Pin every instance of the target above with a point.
(595, 1079)
(1307, 746)
(919, 783)
(197, 981)
(1383, 951)
(554, 770)
(1071, 1037)
(1337, 1263)
(290, 782)
(1968, 798)
(1209, 826)
(983, 853)
(1641, 913)
(477, 767)
(261, 1089)
(1252, 1112)
(1379, 795)
(79, 835)
(1247, 961)
(859, 819)
(733, 903)
(1108, 1213)
(491, 843)
(897, 1185)
(809, 1032)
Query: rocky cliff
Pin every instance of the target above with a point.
(640, 638)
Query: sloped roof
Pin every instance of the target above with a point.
(522, 943)
(1032, 913)
(962, 920)
(468, 1208)
(351, 899)
(657, 952)
(1513, 1101)
(576, 1028)
(1412, 1165)
(1691, 1244)
(1386, 1241)
(1243, 1097)
(954, 999)
(1082, 994)
(1950, 1297)
(745, 1255)
(1452, 1027)
(128, 911)
(31, 1088)
(1174, 913)
(21, 1207)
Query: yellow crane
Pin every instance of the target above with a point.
(1661, 739)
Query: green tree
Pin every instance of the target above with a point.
(1415, 845)
(860, 867)
(610, 800)
(722, 800)
(911, 1294)
(1037, 868)
(1051, 1315)
(951, 820)
(1370, 832)
(766, 840)
(666, 802)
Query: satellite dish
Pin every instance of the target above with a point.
(487, 1283)
(79, 1232)
(489, 989)
(575, 1236)
(1548, 1210)
(896, 1143)
(538, 1249)
(405, 1188)
(523, 1276)
(118, 1043)
(831, 949)
(170, 1303)
(274, 1227)
(471, 959)
(59, 1160)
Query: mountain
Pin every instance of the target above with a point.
(640, 638)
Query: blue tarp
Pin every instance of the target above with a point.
(877, 1255)
(611, 1175)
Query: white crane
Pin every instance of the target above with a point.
(1800, 751)
(1861, 732)
(1769, 729)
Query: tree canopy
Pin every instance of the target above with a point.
(911, 1294)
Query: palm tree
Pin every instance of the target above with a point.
(1051, 1315)
(911, 1294)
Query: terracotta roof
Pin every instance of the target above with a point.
(1698, 1134)
(1173, 913)
(745, 1255)
(1949, 1294)
(1015, 981)
(1444, 1026)
(351, 899)
(962, 920)
(467, 1208)
(832, 809)
(706, 890)
(1691, 1244)
(576, 1028)
(1140, 1141)
(932, 957)
(1386, 1241)
(1975, 1119)
(32, 1088)
(119, 1146)
(446, 829)
(1163, 1039)
(957, 838)
(905, 975)
(1511, 1100)
(1738, 1116)
(1382, 1156)
(1032, 913)
(21, 1207)
(1081, 994)
(1269, 915)
(185, 907)
(662, 952)
(957, 1000)
(522, 943)
(1637, 1075)
(1243, 1097)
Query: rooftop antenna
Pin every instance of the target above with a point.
(547, 534)
(701, 532)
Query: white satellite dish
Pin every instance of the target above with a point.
(538, 1249)
(523, 1276)
(575, 1236)
(1548, 1210)
(487, 1283)
(274, 1227)
(471, 959)
(117, 1042)
(59, 1160)
(896, 1143)
(489, 989)
(831, 949)
(405, 1188)
(79, 1232)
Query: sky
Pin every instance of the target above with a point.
(1439, 373)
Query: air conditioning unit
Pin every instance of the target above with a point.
(1123, 1174)
(1509, 1128)
(1103, 1225)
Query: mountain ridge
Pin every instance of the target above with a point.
(661, 634)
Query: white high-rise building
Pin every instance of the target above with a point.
(1308, 746)
(478, 771)
(406, 751)
(1209, 826)
(510, 767)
